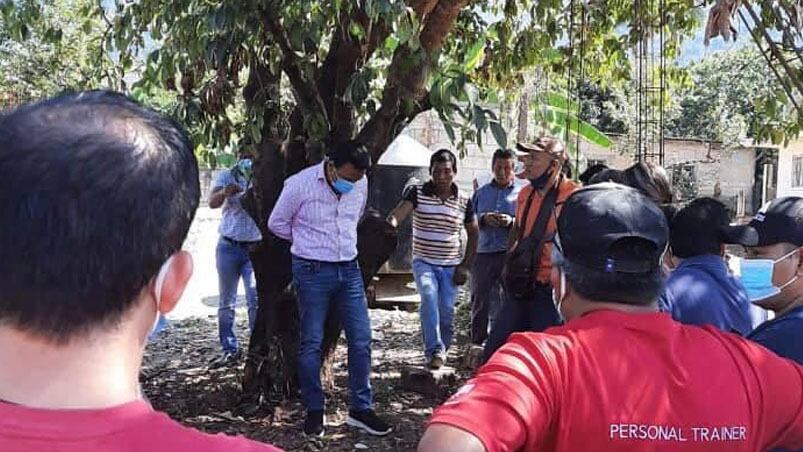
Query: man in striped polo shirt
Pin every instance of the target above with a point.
(440, 212)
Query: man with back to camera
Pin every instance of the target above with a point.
(701, 290)
(440, 212)
(97, 196)
(619, 375)
(495, 208)
(527, 305)
(318, 211)
(238, 233)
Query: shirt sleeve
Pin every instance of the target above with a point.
(222, 179)
(511, 402)
(288, 204)
(469, 211)
(779, 396)
(363, 184)
(782, 341)
(411, 194)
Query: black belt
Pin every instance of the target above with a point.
(237, 242)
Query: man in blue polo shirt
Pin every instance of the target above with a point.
(701, 290)
(238, 233)
(772, 275)
(495, 209)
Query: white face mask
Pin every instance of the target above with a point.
(561, 294)
(157, 291)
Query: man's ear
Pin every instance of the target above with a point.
(176, 277)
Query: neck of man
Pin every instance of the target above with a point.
(795, 303)
(582, 307)
(443, 192)
(96, 372)
(551, 183)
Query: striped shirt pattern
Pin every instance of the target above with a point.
(437, 224)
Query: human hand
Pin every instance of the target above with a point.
(504, 220)
(232, 189)
(491, 220)
(391, 227)
(460, 275)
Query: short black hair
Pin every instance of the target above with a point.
(97, 192)
(592, 171)
(350, 152)
(443, 156)
(502, 154)
(695, 229)
(615, 287)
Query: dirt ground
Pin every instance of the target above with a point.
(176, 381)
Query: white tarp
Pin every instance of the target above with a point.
(406, 151)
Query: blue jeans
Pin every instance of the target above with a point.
(438, 292)
(517, 315)
(332, 285)
(487, 294)
(233, 264)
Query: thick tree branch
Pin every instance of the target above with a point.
(304, 88)
(404, 93)
(346, 56)
(422, 7)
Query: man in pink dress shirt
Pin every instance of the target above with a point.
(318, 211)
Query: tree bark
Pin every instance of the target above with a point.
(404, 95)
(270, 368)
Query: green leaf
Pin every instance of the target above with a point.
(559, 118)
(449, 130)
(474, 56)
(357, 31)
(499, 134)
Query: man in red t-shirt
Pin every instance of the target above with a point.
(97, 194)
(620, 376)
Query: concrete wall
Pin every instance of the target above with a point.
(726, 174)
(476, 163)
(785, 168)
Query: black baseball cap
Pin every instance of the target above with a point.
(595, 218)
(780, 221)
(703, 226)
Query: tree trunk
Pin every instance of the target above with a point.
(270, 368)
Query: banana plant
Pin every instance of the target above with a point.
(559, 116)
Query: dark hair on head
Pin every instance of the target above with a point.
(502, 154)
(608, 175)
(615, 287)
(650, 179)
(97, 192)
(443, 156)
(695, 229)
(350, 152)
(591, 171)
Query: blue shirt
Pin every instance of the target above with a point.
(701, 291)
(493, 198)
(783, 335)
(236, 223)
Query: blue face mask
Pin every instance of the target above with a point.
(756, 276)
(245, 165)
(342, 186)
